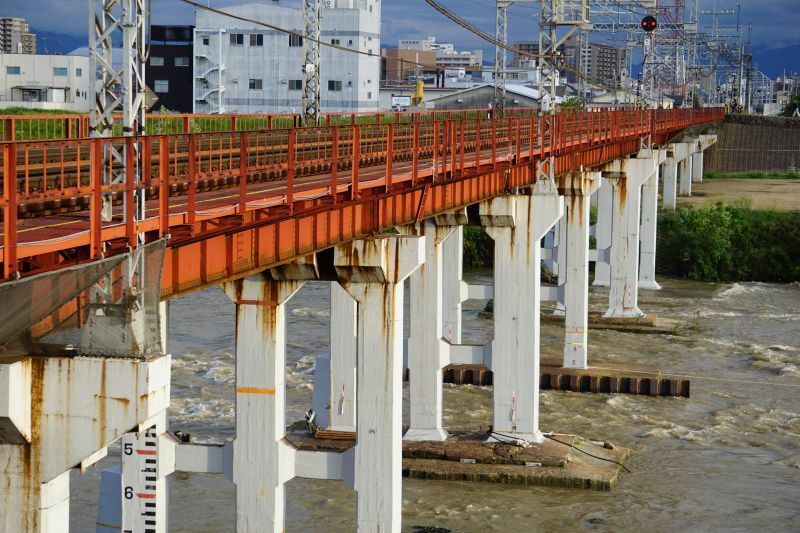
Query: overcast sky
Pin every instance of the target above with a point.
(776, 23)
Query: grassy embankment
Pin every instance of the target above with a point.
(753, 175)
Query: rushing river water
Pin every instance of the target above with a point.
(727, 458)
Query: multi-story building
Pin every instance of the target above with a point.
(45, 82)
(447, 57)
(16, 37)
(240, 67)
(398, 64)
(607, 64)
(168, 71)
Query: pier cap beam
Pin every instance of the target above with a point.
(78, 407)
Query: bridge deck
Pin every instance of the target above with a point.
(299, 190)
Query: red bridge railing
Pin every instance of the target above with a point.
(42, 127)
(196, 181)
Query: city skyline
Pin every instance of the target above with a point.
(775, 24)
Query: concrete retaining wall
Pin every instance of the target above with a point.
(756, 144)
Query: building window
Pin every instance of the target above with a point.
(206, 41)
(369, 96)
(60, 71)
(295, 40)
(237, 39)
(181, 61)
(334, 85)
(156, 61)
(256, 85)
(350, 42)
(295, 85)
(78, 72)
(335, 41)
(256, 39)
(13, 70)
(161, 86)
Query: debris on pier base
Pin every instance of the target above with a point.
(644, 324)
(468, 457)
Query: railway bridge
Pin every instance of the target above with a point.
(259, 211)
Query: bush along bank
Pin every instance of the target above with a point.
(729, 243)
(710, 243)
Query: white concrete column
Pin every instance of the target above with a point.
(517, 225)
(670, 184)
(428, 353)
(261, 464)
(577, 200)
(560, 253)
(342, 413)
(452, 271)
(685, 185)
(647, 253)
(697, 167)
(605, 216)
(623, 292)
(372, 272)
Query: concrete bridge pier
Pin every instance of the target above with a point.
(59, 413)
(647, 231)
(605, 215)
(683, 154)
(372, 271)
(453, 295)
(670, 178)
(517, 224)
(340, 414)
(627, 177)
(577, 190)
(697, 167)
(428, 349)
(262, 461)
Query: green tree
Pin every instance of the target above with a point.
(791, 108)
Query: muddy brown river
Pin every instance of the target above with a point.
(728, 458)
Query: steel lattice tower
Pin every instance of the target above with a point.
(500, 57)
(311, 52)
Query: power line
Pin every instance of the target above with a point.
(300, 35)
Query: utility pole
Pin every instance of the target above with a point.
(570, 14)
(131, 316)
(501, 54)
(311, 53)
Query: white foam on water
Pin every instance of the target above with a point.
(311, 312)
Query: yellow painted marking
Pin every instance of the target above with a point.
(110, 526)
(255, 390)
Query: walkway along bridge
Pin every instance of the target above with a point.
(259, 212)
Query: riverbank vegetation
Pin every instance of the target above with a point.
(730, 243)
(709, 243)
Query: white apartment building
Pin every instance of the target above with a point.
(45, 82)
(241, 67)
(16, 37)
